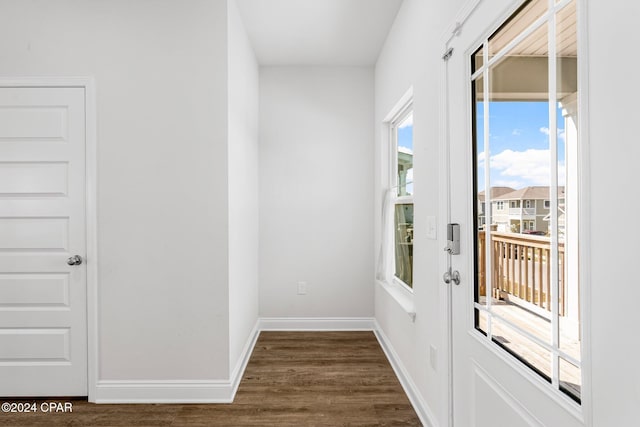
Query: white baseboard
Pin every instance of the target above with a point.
(415, 397)
(241, 365)
(317, 324)
(169, 391)
(178, 391)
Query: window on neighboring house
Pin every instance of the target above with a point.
(547, 204)
(402, 194)
(499, 206)
(515, 203)
(527, 204)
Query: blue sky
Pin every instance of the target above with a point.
(405, 136)
(518, 143)
(405, 139)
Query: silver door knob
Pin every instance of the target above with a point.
(74, 260)
(451, 276)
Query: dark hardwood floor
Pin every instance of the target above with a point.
(292, 379)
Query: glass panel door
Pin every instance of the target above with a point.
(514, 189)
(523, 281)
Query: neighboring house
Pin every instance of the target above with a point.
(495, 192)
(526, 209)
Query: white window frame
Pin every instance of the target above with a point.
(401, 114)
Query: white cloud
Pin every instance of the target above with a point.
(561, 132)
(481, 158)
(507, 183)
(522, 168)
(407, 122)
(515, 132)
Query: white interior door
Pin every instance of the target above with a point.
(43, 332)
(516, 352)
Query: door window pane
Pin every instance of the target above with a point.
(483, 204)
(527, 196)
(568, 196)
(481, 320)
(478, 59)
(570, 379)
(527, 15)
(529, 352)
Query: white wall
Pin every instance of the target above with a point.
(243, 186)
(160, 72)
(316, 202)
(613, 134)
(410, 57)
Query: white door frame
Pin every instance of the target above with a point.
(446, 379)
(91, 158)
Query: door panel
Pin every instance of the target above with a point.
(34, 290)
(501, 361)
(17, 123)
(494, 405)
(33, 178)
(43, 333)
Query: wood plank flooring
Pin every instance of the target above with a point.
(292, 379)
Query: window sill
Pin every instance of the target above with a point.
(402, 296)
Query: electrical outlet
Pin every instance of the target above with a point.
(302, 288)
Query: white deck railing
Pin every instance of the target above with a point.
(522, 211)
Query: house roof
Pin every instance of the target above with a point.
(495, 192)
(529, 193)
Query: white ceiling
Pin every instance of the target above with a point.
(536, 44)
(318, 32)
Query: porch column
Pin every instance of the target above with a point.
(521, 216)
(569, 106)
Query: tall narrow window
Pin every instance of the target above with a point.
(525, 85)
(402, 194)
